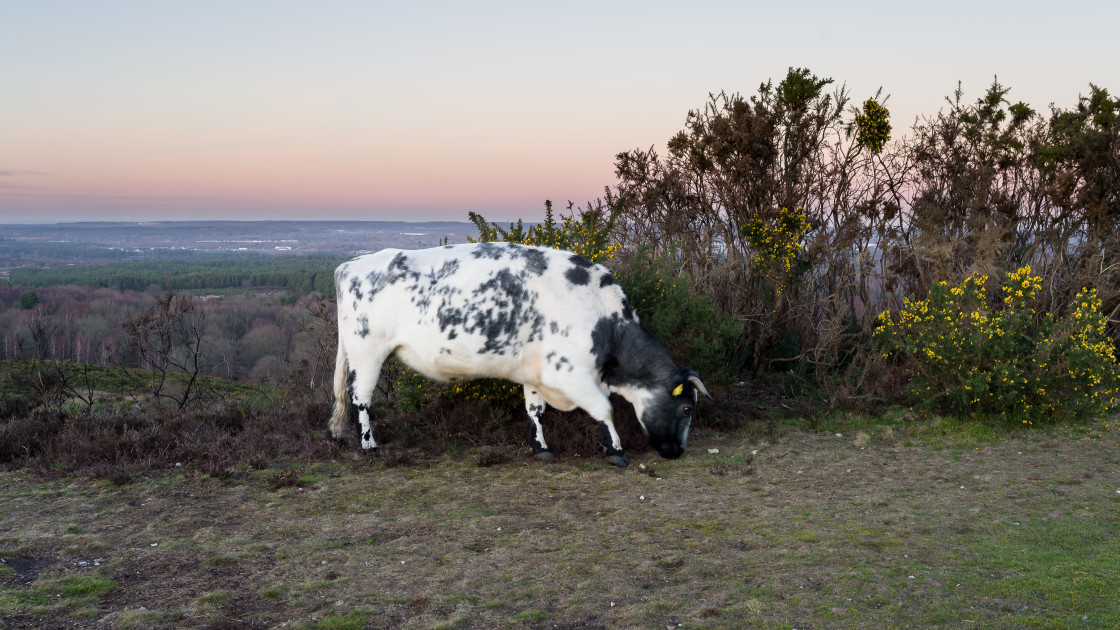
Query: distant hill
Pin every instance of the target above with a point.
(84, 243)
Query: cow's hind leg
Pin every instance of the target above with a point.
(362, 381)
(534, 405)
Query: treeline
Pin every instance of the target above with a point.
(811, 221)
(258, 335)
(300, 274)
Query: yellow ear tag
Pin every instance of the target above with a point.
(679, 390)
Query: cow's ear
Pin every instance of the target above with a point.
(695, 380)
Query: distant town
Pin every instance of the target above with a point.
(50, 245)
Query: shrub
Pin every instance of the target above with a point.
(975, 354)
(873, 126)
(588, 234)
(777, 247)
(28, 300)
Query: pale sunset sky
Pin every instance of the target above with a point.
(141, 110)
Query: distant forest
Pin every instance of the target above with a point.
(300, 274)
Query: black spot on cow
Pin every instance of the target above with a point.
(554, 328)
(606, 280)
(422, 299)
(350, 382)
(603, 346)
(580, 261)
(503, 312)
(445, 350)
(377, 281)
(536, 262)
(356, 287)
(578, 275)
(447, 270)
(488, 250)
(397, 271)
(363, 320)
(399, 263)
(627, 312)
(448, 317)
(563, 361)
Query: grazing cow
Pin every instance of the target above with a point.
(548, 319)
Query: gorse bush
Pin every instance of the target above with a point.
(588, 234)
(776, 247)
(873, 126)
(980, 354)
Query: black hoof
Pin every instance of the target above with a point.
(618, 460)
(372, 452)
(544, 456)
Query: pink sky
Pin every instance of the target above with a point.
(350, 110)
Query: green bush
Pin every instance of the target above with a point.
(975, 354)
(587, 234)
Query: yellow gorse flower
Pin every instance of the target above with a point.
(776, 247)
(976, 356)
(873, 126)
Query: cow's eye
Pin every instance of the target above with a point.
(687, 410)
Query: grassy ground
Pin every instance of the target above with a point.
(856, 525)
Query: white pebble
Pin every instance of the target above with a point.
(713, 451)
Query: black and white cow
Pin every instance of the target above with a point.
(548, 319)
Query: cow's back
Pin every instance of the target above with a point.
(488, 309)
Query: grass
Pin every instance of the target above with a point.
(920, 526)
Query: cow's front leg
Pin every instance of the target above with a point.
(534, 405)
(601, 410)
(613, 444)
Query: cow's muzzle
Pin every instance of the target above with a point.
(670, 451)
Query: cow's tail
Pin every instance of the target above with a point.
(341, 396)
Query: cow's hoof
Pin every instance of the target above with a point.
(372, 452)
(618, 460)
(544, 456)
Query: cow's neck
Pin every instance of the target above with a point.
(634, 360)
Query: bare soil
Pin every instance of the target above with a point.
(862, 527)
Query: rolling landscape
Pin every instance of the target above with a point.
(46, 245)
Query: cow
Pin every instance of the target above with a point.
(548, 319)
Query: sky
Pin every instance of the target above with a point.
(374, 110)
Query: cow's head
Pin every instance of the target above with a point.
(666, 415)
